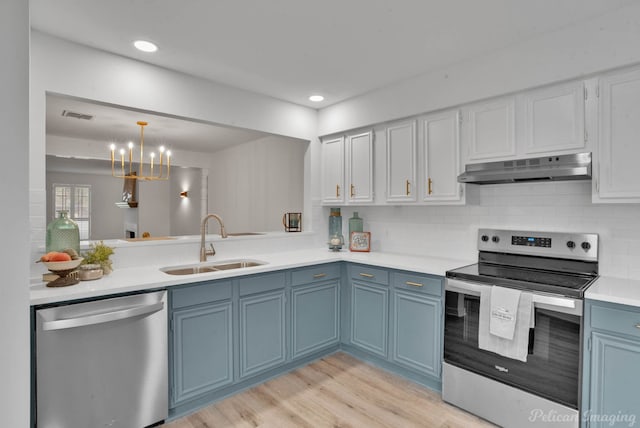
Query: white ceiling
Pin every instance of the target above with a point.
(290, 49)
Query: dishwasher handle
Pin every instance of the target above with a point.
(102, 318)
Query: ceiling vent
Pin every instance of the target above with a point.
(67, 113)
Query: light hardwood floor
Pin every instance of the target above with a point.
(336, 391)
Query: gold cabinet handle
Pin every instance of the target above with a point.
(319, 275)
(414, 284)
(638, 325)
(429, 183)
(353, 190)
(366, 275)
(337, 190)
(408, 188)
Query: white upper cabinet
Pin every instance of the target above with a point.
(490, 129)
(555, 118)
(546, 121)
(616, 165)
(440, 148)
(401, 162)
(359, 171)
(347, 169)
(333, 171)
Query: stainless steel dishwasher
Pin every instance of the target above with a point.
(102, 363)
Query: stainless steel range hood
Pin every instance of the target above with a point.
(545, 168)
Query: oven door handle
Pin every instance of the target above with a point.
(545, 301)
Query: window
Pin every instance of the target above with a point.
(75, 198)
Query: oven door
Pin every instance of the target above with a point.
(552, 369)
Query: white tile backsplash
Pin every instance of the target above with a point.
(450, 231)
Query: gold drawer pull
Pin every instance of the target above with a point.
(414, 284)
(638, 325)
(319, 275)
(366, 275)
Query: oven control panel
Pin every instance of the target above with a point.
(577, 246)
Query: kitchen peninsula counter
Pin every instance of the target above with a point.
(149, 276)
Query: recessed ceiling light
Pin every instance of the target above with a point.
(316, 98)
(145, 46)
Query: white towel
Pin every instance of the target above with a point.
(517, 347)
(504, 311)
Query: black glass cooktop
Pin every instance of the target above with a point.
(562, 283)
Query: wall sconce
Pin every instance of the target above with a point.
(184, 194)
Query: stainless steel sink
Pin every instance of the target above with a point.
(211, 267)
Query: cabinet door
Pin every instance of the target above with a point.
(369, 312)
(619, 150)
(333, 171)
(555, 118)
(202, 350)
(401, 163)
(614, 379)
(440, 147)
(416, 332)
(360, 168)
(490, 129)
(314, 310)
(262, 332)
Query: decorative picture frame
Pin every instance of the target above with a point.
(360, 241)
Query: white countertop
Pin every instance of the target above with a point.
(615, 290)
(149, 276)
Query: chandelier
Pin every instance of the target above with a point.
(127, 171)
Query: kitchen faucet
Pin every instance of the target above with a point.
(203, 251)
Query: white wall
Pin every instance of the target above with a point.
(14, 179)
(451, 231)
(252, 185)
(70, 69)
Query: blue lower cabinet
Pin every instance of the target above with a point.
(611, 374)
(202, 350)
(315, 317)
(369, 317)
(415, 332)
(262, 332)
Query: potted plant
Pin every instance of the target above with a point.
(99, 255)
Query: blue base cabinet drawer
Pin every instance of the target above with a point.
(419, 283)
(616, 320)
(315, 274)
(369, 274)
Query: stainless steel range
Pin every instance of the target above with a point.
(513, 327)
